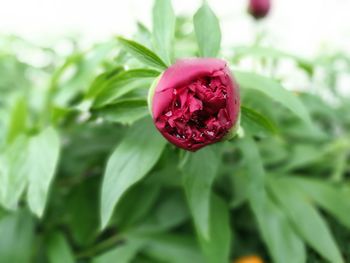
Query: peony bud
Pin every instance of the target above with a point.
(259, 8)
(195, 102)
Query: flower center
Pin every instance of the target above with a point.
(197, 113)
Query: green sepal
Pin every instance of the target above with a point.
(151, 91)
(236, 131)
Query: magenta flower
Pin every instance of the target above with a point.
(196, 102)
(259, 8)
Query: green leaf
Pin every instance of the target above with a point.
(170, 212)
(136, 73)
(44, 151)
(122, 254)
(59, 250)
(198, 177)
(143, 35)
(167, 173)
(207, 29)
(18, 120)
(170, 248)
(100, 81)
(268, 52)
(275, 91)
(76, 75)
(17, 232)
(217, 248)
(332, 198)
(274, 150)
(302, 155)
(255, 174)
(163, 28)
(305, 218)
(111, 96)
(142, 53)
(282, 241)
(70, 62)
(83, 216)
(134, 207)
(284, 245)
(125, 112)
(250, 116)
(130, 162)
(112, 83)
(13, 172)
(124, 83)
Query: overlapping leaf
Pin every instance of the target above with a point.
(130, 162)
(198, 177)
(273, 90)
(207, 28)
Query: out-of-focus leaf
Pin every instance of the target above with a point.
(318, 107)
(163, 28)
(142, 53)
(168, 213)
(59, 250)
(171, 248)
(283, 243)
(303, 155)
(125, 112)
(13, 172)
(305, 218)
(122, 254)
(255, 174)
(217, 248)
(275, 91)
(76, 74)
(251, 117)
(302, 130)
(143, 35)
(332, 198)
(167, 173)
(134, 207)
(100, 81)
(71, 60)
(32, 162)
(82, 212)
(207, 29)
(43, 153)
(281, 239)
(240, 186)
(267, 52)
(18, 120)
(198, 177)
(274, 150)
(130, 162)
(17, 232)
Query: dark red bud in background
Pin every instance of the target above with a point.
(259, 8)
(195, 103)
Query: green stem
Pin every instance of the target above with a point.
(100, 247)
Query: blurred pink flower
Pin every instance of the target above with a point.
(259, 8)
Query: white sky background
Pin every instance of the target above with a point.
(305, 27)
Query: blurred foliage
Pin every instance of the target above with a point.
(121, 194)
